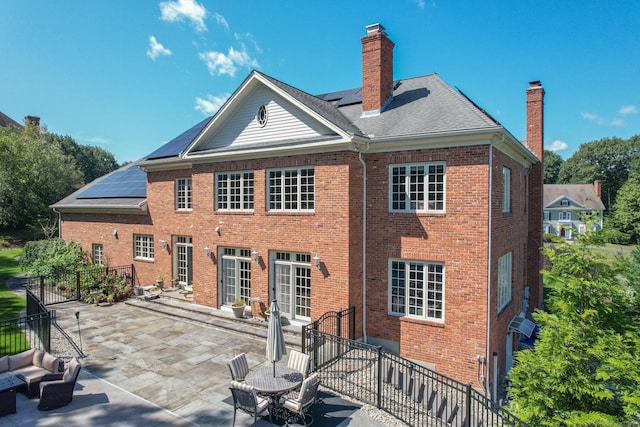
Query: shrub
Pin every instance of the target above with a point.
(52, 257)
(616, 237)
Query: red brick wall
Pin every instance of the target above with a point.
(377, 70)
(457, 238)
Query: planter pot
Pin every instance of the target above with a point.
(160, 283)
(138, 291)
(238, 311)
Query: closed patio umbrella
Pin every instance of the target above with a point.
(276, 347)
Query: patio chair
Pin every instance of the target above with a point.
(239, 367)
(246, 399)
(299, 403)
(299, 361)
(55, 394)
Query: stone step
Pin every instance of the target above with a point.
(183, 309)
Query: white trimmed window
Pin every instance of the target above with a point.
(416, 289)
(564, 216)
(234, 191)
(504, 280)
(418, 187)
(506, 190)
(291, 190)
(98, 253)
(236, 274)
(183, 194)
(143, 246)
(547, 216)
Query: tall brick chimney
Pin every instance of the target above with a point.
(597, 188)
(535, 142)
(32, 120)
(377, 70)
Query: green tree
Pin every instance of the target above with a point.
(585, 369)
(52, 257)
(626, 210)
(92, 161)
(608, 160)
(34, 174)
(552, 164)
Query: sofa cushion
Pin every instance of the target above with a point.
(37, 358)
(4, 363)
(20, 360)
(30, 373)
(50, 363)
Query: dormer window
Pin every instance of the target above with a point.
(564, 202)
(261, 116)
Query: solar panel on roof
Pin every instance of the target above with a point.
(179, 143)
(129, 182)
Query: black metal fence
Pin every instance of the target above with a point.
(31, 331)
(409, 392)
(340, 323)
(80, 284)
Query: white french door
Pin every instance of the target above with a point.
(236, 275)
(183, 259)
(292, 280)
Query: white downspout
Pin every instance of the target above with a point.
(59, 223)
(487, 349)
(364, 243)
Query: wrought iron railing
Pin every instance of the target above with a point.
(404, 389)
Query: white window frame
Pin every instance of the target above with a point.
(547, 216)
(143, 246)
(184, 194)
(235, 191)
(426, 189)
(97, 252)
(401, 303)
(564, 202)
(506, 189)
(505, 277)
(564, 216)
(295, 292)
(235, 272)
(291, 190)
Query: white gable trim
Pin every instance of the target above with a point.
(245, 90)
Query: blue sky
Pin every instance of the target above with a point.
(128, 76)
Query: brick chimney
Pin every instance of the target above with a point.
(32, 120)
(377, 70)
(535, 142)
(597, 187)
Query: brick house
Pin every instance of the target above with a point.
(571, 208)
(402, 197)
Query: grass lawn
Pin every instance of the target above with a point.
(10, 303)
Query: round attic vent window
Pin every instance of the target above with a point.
(261, 116)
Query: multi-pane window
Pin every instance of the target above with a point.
(98, 254)
(183, 193)
(564, 216)
(417, 187)
(292, 189)
(234, 191)
(417, 289)
(547, 215)
(143, 246)
(506, 190)
(504, 280)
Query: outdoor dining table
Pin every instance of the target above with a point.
(264, 382)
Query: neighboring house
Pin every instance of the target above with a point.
(8, 121)
(571, 208)
(402, 198)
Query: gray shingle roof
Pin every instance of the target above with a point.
(8, 121)
(423, 105)
(583, 194)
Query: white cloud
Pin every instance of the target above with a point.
(156, 49)
(222, 21)
(218, 63)
(420, 3)
(180, 10)
(211, 104)
(249, 37)
(628, 109)
(590, 116)
(557, 145)
(617, 122)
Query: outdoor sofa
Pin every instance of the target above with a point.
(32, 367)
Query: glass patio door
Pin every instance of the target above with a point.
(292, 280)
(183, 259)
(236, 275)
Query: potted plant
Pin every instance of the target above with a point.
(160, 280)
(238, 308)
(267, 313)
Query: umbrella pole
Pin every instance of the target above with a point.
(274, 369)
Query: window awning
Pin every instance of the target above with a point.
(522, 325)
